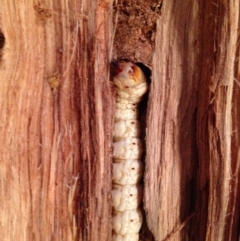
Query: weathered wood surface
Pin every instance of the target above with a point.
(55, 110)
(56, 116)
(192, 157)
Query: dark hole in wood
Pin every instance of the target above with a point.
(145, 233)
(2, 40)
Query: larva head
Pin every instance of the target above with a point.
(129, 79)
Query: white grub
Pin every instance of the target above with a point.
(127, 167)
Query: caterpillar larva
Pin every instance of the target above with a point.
(131, 85)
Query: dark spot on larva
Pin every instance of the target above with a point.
(132, 122)
(133, 110)
(131, 220)
(131, 195)
(131, 71)
(126, 87)
(134, 143)
(133, 168)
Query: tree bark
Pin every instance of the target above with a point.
(57, 103)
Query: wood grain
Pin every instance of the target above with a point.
(189, 130)
(56, 109)
(55, 121)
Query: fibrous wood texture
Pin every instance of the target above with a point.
(56, 109)
(54, 105)
(190, 167)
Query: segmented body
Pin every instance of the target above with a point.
(131, 85)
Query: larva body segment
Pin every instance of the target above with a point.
(129, 221)
(125, 105)
(127, 172)
(126, 114)
(128, 148)
(126, 128)
(131, 96)
(126, 197)
(126, 237)
(127, 168)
